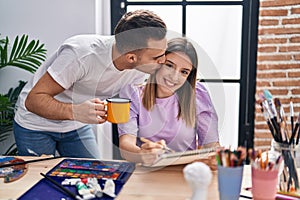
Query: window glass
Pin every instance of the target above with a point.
(216, 32)
(225, 97)
(172, 15)
(211, 0)
(217, 29)
(151, 0)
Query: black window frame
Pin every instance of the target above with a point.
(247, 79)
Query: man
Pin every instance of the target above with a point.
(65, 93)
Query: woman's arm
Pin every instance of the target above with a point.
(128, 148)
(147, 153)
(211, 145)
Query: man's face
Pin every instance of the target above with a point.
(151, 58)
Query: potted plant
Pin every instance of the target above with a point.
(27, 56)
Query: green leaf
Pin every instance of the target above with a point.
(32, 60)
(13, 93)
(29, 47)
(27, 63)
(2, 41)
(24, 55)
(39, 56)
(13, 51)
(36, 47)
(22, 45)
(4, 52)
(7, 104)
(23, 66)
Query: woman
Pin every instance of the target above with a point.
(171, 109)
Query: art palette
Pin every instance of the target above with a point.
(75, 168)
(12, 173)
(80, 168)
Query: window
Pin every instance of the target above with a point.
(226, 35)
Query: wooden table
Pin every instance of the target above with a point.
(169, 183)
(145, 183)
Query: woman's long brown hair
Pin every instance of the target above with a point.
(186, 93)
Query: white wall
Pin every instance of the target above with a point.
(51, 22)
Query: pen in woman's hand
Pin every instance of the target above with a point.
(164, 146)
(167, 149)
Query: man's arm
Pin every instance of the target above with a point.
(41, 101)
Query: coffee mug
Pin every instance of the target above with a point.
(118, 110)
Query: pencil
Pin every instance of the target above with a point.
(74, 196)
(165, 147)
(28, 161)
(246, 197)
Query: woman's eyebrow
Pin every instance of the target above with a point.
(170, 61)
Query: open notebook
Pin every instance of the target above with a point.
(179, 158)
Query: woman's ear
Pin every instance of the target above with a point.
(131, 57)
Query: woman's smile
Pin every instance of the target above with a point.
(169, 83)
(172, 74)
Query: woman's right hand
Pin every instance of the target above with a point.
(151, 150)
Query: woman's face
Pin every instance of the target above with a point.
(173, 73)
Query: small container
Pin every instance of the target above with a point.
(264, 184)
(229, 182)
(288, 180)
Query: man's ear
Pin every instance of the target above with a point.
(131, 57)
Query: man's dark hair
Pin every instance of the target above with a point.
(135, 29)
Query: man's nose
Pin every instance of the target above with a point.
(162, 59)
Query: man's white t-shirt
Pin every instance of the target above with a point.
(83, 67)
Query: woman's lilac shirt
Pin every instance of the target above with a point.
(162, 123)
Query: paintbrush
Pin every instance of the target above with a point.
(267, 118)
(270, 107)
(28, 161)
(74, 196)
(295, 129)
(292, 114)
(298, 134)
(269, 99)
(266, 113)
(278, 109)
(283, 121)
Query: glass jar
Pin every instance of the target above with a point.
(288, 179)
